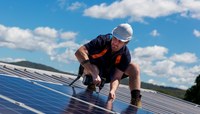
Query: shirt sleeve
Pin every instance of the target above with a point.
(96, 44)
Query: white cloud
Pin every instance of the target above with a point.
(66, 5)
(194, 71)
(147, 56)
(183, 87)
(76, 5)
(44, 39)
(191, 8)
(196, 33)
(12, 59)
(137, 10)
(68, 35)
(14, 37)
(163, 68)
(151, 81)
(154, 33)
(155, 82)
(154, 63)
(181, 80)
(61, 3)
(174, 80)
(184, 57)
(46, 32)
(150, 52)
(66, 57)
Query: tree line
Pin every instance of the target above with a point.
(193, 93)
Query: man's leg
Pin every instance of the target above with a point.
(133, 72)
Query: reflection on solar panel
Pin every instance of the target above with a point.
(42, 97)
(7, 106)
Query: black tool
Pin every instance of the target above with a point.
(78, 77)
(87, 80)
(80, 72)
(103, 81)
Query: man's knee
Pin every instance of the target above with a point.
(133, 68)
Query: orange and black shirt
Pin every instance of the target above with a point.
(100, 54)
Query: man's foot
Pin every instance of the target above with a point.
(137, 101)
(91, 87)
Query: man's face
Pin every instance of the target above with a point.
(116, 44)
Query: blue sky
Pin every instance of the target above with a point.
(165, 42)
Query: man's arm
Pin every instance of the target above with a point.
(82, 56)
(115, 83)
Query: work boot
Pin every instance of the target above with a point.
(91, 87)
(137, 101)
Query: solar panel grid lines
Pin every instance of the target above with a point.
(98, 100)
(12, 72)
(105, 91)
(4, 109)
(124, 96)
(32, 69)
(166, 105)
(5, 71)
(43, 77)
(25, 74)
(155, 108)
(87, 103)
(154, 102)
(21, 104)
(178, 100)
(32, 75)
(12, 109)
(58, 78)
(177, 104)
(163, 107)
(160, 109)
(74, 98)
(145, 104)
(22, 99)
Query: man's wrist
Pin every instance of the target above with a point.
(85, 61)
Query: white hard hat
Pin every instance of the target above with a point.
(123, 32)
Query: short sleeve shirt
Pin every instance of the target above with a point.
(100, 54)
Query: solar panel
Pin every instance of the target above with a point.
(19, 95)
(152, 101)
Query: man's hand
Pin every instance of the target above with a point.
(109, 104)
(96, 80)
(112, 95)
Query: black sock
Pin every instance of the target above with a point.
(135, 93)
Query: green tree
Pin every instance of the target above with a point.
(193, 94)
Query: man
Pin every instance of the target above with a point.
(107, 57)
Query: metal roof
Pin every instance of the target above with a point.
(15, 80)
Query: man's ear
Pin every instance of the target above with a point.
(127, 42)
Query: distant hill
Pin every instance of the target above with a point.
(37, 66)
(167, 90)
